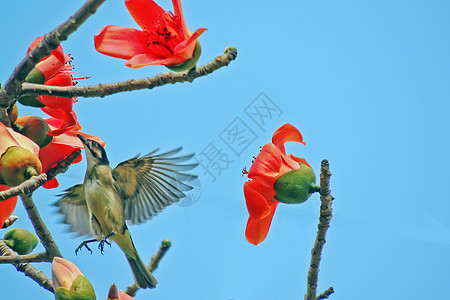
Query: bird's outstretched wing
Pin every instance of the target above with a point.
(152, 182)
(73, 206)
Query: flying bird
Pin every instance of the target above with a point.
(134, 191)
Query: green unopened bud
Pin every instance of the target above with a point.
(296, 186)
(35, 76)
(21, 240)
(190, 63)
(81, 289)
(35, 128)
(18, 164)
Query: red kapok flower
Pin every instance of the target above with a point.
(164, 39)
(276, 177)
(54, 70)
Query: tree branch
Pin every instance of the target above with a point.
(105, 89)
(17, 259)
(326, 293)
(35, 182)
(13, 85)
(156, 258)
(27, 269)
(39, 226)
(324, 224)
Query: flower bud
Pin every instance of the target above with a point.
(18, 164)
(68, 281)
(21, 240)
(81, 289)
(35, 76)
(9, 220)
(35, 128)
(113, 293)
(13, 113)
(296, 186)
(190, 63)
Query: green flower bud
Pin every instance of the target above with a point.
(296, 186)
(35, 76)
(18, 164)
(81, 289)
(190, 63)
(35, 128)
(21, 240)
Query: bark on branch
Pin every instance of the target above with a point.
(324, 224)
(105, 89)
(27, 269)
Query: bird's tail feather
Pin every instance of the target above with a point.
(142, 276)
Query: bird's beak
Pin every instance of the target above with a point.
(83, 139)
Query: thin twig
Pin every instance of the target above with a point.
(29, 271)
(324, 224)
(326, 293)
(105, 89)
(40, 227)
(13, 85)
(17, 259)
(35, 182)
(156, 258)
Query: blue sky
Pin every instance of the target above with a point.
(366, 82)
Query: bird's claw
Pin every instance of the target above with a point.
(101, 245)
(83, 244)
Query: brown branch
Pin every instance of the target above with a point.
(324, 224)
(35, 182)
(13, 85)
(17, 259)
(153, 265)
(40, 227)
(27, 269)
(105, 89)
(325, 294)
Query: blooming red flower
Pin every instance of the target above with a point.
(55, 70)
(268, 186)
(164, 39)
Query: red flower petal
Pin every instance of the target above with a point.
(186, 48)
(267, 165)
(178, 11)
(51, 184)
(257, 230)
(258, 199)
(300, 160)
(120, 42)
(53, 153)
(9, 137)
(286, 133)
(143, 60)
(68, 120)
(146, 12)
(7, 206)
(50, 66)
